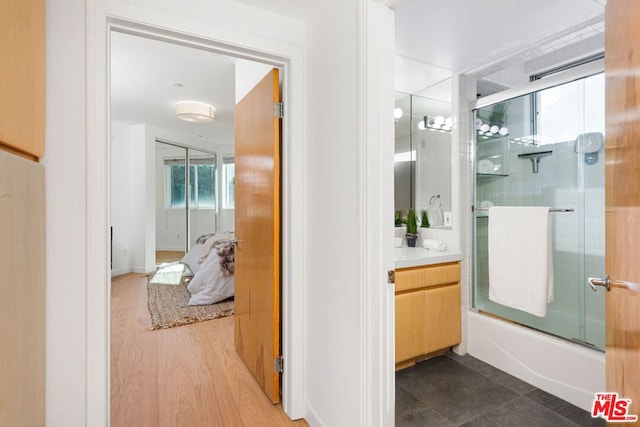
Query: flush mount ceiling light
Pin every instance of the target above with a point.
(195, 112)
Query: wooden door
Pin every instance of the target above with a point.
(22, 76)
(622, 179)
(257, 216)
(22, 292)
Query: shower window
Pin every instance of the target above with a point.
(545, 149)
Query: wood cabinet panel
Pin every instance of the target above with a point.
(421, 277)
(442, 315)
(22, 75)
(410, 325)
(428, 313)
(22, 291)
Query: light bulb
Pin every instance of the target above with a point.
(503, 131)
(421, 125)
(397, 113)
(438, 120)
(448, 122)
(494, 129)
(485, 128)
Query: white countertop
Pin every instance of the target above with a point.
(413, 257)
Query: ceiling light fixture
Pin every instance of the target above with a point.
(195, 112)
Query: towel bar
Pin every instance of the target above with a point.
(550, 210)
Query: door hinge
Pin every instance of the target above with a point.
(278, 109)
(278, 365)
(391, 276)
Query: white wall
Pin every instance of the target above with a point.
(334, 310)
(121, 181)
(349, 308)
(66, 219)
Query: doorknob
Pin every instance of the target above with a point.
(593, 282)
(608, 284)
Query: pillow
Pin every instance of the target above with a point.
(192, 258)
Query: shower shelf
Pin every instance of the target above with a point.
(491, 175)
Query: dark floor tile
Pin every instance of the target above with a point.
(501, 377)
(411, 412)
(454, 391)
(520, 411)
(564, 408)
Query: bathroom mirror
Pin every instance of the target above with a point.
(422, 158)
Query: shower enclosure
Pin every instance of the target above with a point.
(546, 149)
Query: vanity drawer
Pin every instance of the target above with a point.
(426, 276)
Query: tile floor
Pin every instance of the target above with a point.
(454, 390)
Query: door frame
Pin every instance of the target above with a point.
(290, 60)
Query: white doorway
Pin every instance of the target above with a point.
(149, 133)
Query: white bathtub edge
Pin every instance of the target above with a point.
(566, 370)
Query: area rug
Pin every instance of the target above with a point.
(168, 274)
(168, 307)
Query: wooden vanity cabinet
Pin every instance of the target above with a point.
(427, 311)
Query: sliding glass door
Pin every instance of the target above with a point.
(186, 202)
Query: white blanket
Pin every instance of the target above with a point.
(210, 285)
(213, 279)
(520, 258)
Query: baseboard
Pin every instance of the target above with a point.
(171, 249)
(127, 270)
(311, 417)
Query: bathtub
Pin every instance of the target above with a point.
(570, 371)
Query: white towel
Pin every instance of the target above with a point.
(520, 258)
(434, 245)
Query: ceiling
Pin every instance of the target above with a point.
(434, 39)
(149, 77)
(464, 35)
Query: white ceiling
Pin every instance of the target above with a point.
(144, 74)
(434, 39)
(464, 35)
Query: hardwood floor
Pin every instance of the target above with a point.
(184, 376)
(168, 256)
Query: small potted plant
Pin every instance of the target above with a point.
(398, 219)
(424, 225)
(424, 219)
(412, 228)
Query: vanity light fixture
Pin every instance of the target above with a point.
(195, 112)
(397, 113)
(438, 123)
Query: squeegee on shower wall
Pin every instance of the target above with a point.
(535, 158)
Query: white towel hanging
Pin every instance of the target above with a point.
(520, 258)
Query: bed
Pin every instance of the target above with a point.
(210, 261)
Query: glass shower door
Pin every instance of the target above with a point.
(545, 149)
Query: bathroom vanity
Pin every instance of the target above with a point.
(427, 299)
